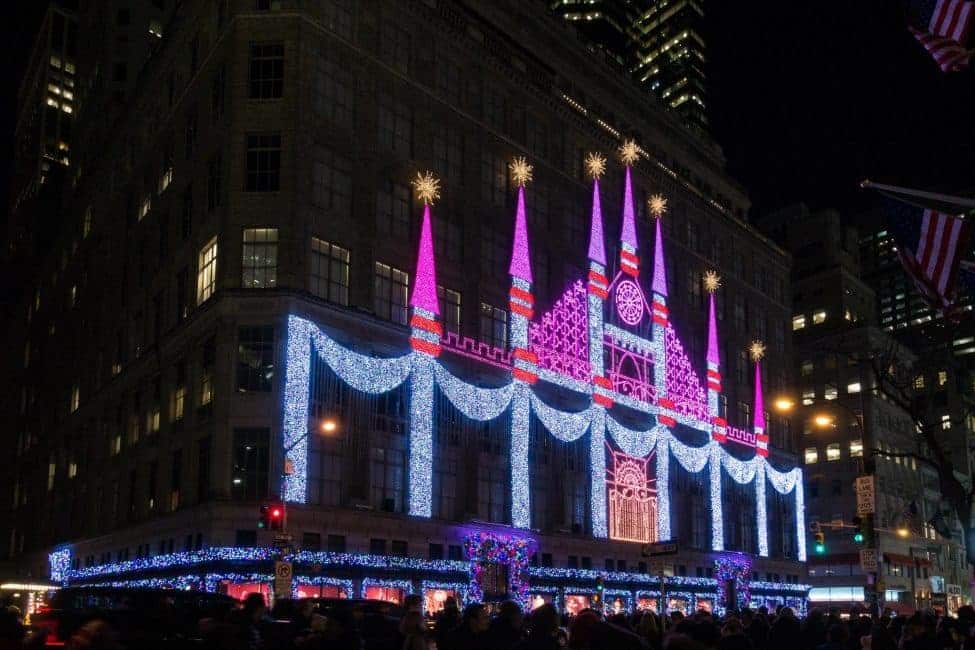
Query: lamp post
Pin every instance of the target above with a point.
(327, 426)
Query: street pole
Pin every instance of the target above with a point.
(869, 469)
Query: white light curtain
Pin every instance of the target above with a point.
(567, 427)
(476, 403)
(361, 372)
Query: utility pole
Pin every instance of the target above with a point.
(874, 594)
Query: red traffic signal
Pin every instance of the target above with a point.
(272, 517)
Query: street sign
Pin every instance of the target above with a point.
(659, 548)
(868, 559)
(865, 495)
(282, 539)
(282, 579)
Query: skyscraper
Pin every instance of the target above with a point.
(660, 42)
(670, 56)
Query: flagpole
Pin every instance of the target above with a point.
(933, 196)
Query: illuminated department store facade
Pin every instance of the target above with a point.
(601, 381)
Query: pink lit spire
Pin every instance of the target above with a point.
(425, 290)
(597, 247)
(759, 402)
(713, 356)
(521, 266)
(628, 235)
(659, 269)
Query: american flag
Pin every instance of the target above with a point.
(947, 23)
(930, 246)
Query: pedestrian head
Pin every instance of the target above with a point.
(413, 603)
(476, 617)
(544, 620)
(838, 634)
(510, 613)
(254, 606)
(412, 623)
(732, 627)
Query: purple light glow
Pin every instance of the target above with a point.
(521, 266)
(629, 222)
(425, 290)
(713, 356)
(561, 337)
(683, 385)
(597, 247)
(659, 269)
(759, 402)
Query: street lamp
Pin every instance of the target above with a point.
(822, 420)
(329, 425)
(783, 404)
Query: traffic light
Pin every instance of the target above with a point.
(276, 516)
(272, 516)
(820, 543)
(858, 536)
(597, 598)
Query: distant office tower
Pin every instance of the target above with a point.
(659, 41)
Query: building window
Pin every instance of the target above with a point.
(206, 275)
(267, 71)
(249, 479)
(393, 214)
(919, 382)
(853, 387)
(206, 376)
(395, 45)
(329, 271)
(830, 392)
(214, 182)
(260, 258)
(808, 396)
(494, 178)
(263, 163)
(856, 448)
(395, 120)
(945, 422)
(391, 293)
(75, 398)
(942, 377)
(494, 326)
(833, 451)
(811, 455)
(255, 359)
(806, 368)
(332, 95)
(798, 322)
(819, 317)
(449, 308)
(331, 184)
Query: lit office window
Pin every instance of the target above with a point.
(494, 326)
(833, 451)
(206, 275)
(260, 258)
(819, 317)
(808, 396)
(811, 455)
(856, 448)
(798, 322)
(831, 392)
(853, 387)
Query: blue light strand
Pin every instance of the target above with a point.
(405, 585)
(663, 488)
(474, 402)
(635, 442)
(361, 372)
(761, 514)
(564, 426)
(295, 422)
(421, 437)
(59, 564)
(520, 476)
(717, 516)
(597, 468)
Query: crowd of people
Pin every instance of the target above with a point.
(510, 628)
(506, 626)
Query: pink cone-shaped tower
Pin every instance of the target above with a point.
(425, 329)
(521, 266)
(629, 261)
(761, 440)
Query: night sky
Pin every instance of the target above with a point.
(806, 98)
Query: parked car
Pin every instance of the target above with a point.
(142, 618)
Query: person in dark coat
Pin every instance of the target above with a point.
(447, 621)
(733, 637)
(471, 634)
(506, 628)
(814, 630)
(785, 632)
(543, 630)
(836, 638)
